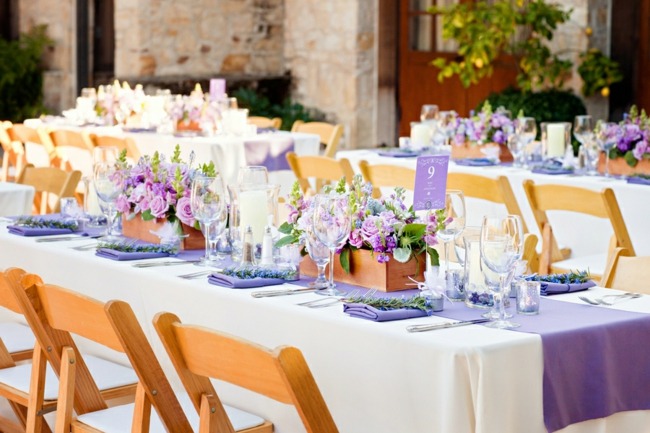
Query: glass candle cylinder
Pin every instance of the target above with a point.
(555, 137)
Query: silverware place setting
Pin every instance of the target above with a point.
(333, 300)
(609, 299)
(444, 325)
(199, 274)
(272, 293)
(66, 238)
(164, 263)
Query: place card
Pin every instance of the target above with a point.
(430, 182)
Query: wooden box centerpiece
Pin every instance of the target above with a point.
(137, 228)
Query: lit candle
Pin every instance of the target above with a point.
(555, 140)
(217, 89)
(475, 272)
(253, 211)
(420, 135)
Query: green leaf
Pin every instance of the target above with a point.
(344, 259)
(147, 216)
(630, 159)
(286, 240)
(434, 258)
(285, 228)
(402, 255)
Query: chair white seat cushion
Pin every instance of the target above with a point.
(107, 375)
(118, 419)
(595, 264)
(16, 336)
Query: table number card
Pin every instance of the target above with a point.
(430, 182)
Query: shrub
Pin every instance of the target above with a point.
(260, 105)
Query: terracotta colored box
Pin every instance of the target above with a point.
(474, 151)
(137, 228)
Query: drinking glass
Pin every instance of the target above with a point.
(108, 185)
(516, 149)
(455, 214)
(583, 131)
(332, 221)
(501, 246)
(606, 137)
(320, 254)
(253, 175)
(208, 203)
(526, 130)
(447, 123)
(428, 113)
(105, 154)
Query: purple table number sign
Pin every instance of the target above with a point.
(430, 182)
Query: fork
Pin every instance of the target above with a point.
(617, 297)
(330, 300)
(195, 275)
(85, 247)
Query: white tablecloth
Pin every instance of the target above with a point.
(375, 377)
(15, 199)
(585, 235)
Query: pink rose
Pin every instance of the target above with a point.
(122, 204)
(158, 207)
(184, 211)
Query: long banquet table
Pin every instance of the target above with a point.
(375, 377)
(15, 199)
(584, 234)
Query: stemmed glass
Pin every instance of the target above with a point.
(429, 112)
(583, 131)
(320, 254)
(502, 246)
(253, 175)
(606, 137)
(447, 122)
(107, 179)
(332, 221)
(526, 131)
(208, 203)
(455, 214)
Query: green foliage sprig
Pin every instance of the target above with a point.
(598, 72)
(131, 247)
(248, 273)
(573, 277)
(415, 302)
(46, 223)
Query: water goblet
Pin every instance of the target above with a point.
(107, 179)
(447, 124)
(208, 203)
(526, 130)
(332, 221)
(501, 247)
(428, 113)
(583, 131)
(606, 137)
(320, 254)
(105, 154)
(253, 175)
(455, 215)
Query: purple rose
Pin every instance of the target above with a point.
(122, 204)
(184, 211)
(159, 207)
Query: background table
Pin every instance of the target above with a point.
(374, 376)
(16, 199)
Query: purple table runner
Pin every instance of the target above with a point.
(271, 152)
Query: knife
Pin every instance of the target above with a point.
(445, 325)
(66, 238)
(269, 293)
(167, 263)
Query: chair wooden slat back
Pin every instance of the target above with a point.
(49, 180)
(628, 273)
(330, 135)
(496, 190)
(25, 134)
(121, 143)
(64, 137)
(54, 313)
(600, 204)
(385, 175)
(265, 122)
(323, 169)
(281, 374)
(13, 154)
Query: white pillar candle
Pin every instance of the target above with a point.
(253, 211)
(555, 140)
(420, 135)
(475, 272)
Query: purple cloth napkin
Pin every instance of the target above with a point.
(548, 170)
(124, 256)
(37, 231)
(638, 180)
(271, 152)
(475, 162)
(558, 288)
(368, 312)
(220, 279)
(398, 153)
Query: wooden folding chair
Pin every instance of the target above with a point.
(281, 374)
(628, 273)
(39, 149)
(323, 169)
(265, 122)
(600, 204)
(330, 135)
(74, 150)
(122, 143)
(46, 181)
(386, 175)
(55, 313)
(13, 154)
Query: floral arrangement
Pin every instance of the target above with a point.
(155, 188)
(386, 226)
(486, 126)
(631, 137)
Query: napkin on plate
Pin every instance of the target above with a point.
(364, 311)
(223, 280)
(112, 254)
(543, 169)
(475, 162)
(558, 288)
(37, 231)
(638, 180)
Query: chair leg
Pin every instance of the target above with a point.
(547, 249)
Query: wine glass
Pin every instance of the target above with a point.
(320, 254)
(332, 221)
(455, 214)
(447, 123)
(583, 131)
(208, 203)
(428, 113)
(526, 130)
(501, 246)
(606, 137)
(107, 179)
(253, 175)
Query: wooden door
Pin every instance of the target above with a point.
(642, 94)
(420, 43)
(104, 42)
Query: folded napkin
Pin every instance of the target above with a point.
(229, 281)
(542, 169)
(558, 288)
(364, 311)
(124, 256)
(475, 162)
(638, 180)
(36, 231)
(398, 153)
